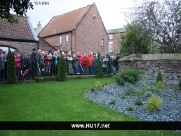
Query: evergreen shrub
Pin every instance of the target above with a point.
(127, 75)
(154, 103)
(11, 71)
(62, 68)
(99, 67)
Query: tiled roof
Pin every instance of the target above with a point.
(21, 31)
(65, 22)
(119, 30)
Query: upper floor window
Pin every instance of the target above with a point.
(60, 39)
(102, 43)
(67, 38)
(110, 46)
(110, 36)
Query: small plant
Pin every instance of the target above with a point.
(92, 89)
(130, 108)
(147, 94)
(129, 89)
(112, 102)
(123, 97)
(138, 102)
(98, 85)
(127, 75)
(154, 103)
(159, 77)
(160, 85)
(179, 84)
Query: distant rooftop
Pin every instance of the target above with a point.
(119, 30)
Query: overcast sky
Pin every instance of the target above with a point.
(108, 9)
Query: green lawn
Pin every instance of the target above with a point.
(60, 101)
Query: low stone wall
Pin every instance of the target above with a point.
(150, 64)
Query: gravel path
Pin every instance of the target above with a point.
(170, 110)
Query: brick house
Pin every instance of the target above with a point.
(114, 40)
(20, 36)
(81, 30)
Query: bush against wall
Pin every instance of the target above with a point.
(127, 75)
(159, 77)
(62, 68)
(11, 72)
(99, 67)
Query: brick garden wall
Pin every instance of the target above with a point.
(168, 64)
(22, 47)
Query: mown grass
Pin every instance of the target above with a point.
(61, 101)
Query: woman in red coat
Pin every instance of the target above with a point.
(85, 64)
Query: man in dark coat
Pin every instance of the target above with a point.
(35, 61)
(116, 62)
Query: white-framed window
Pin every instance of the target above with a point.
(110, 46)
(110, 36)
(60, 39)
(67, 38)
(102, 43)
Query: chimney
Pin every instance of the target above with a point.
(38, 25)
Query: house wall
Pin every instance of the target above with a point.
(90, 32)
(22, 47)
(116, 43)
(45, 46)
(54, 41)
(86, 38)
(168, 64)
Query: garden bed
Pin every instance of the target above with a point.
(114, 96)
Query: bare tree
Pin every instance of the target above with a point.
(163, 19)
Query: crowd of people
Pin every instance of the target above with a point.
(45, 63)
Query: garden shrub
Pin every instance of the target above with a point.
(138, 102)
(11, 71)
(123, 97)
(147, 94)
(130, 108)
(127, 75)
(98, 85)
(99, 67)
(112, 102)
(160, 85)
(154, 103)
(92, 89)
(159, 77)
(62, 68)
(179, 84)
(129, 88)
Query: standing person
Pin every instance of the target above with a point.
(91, 62)
(94, 69)
(18, 66)
(35, 67)
(5, 66)
(105, 64)
(116, 62)
(75, 64)
(55, 62)
(85, 64)
(109, 69)
(48, 62)
(80, 59)
(113, 64)
(26, 64)
(2, 60)
(69, 60)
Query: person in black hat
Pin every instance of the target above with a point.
(35, 61)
